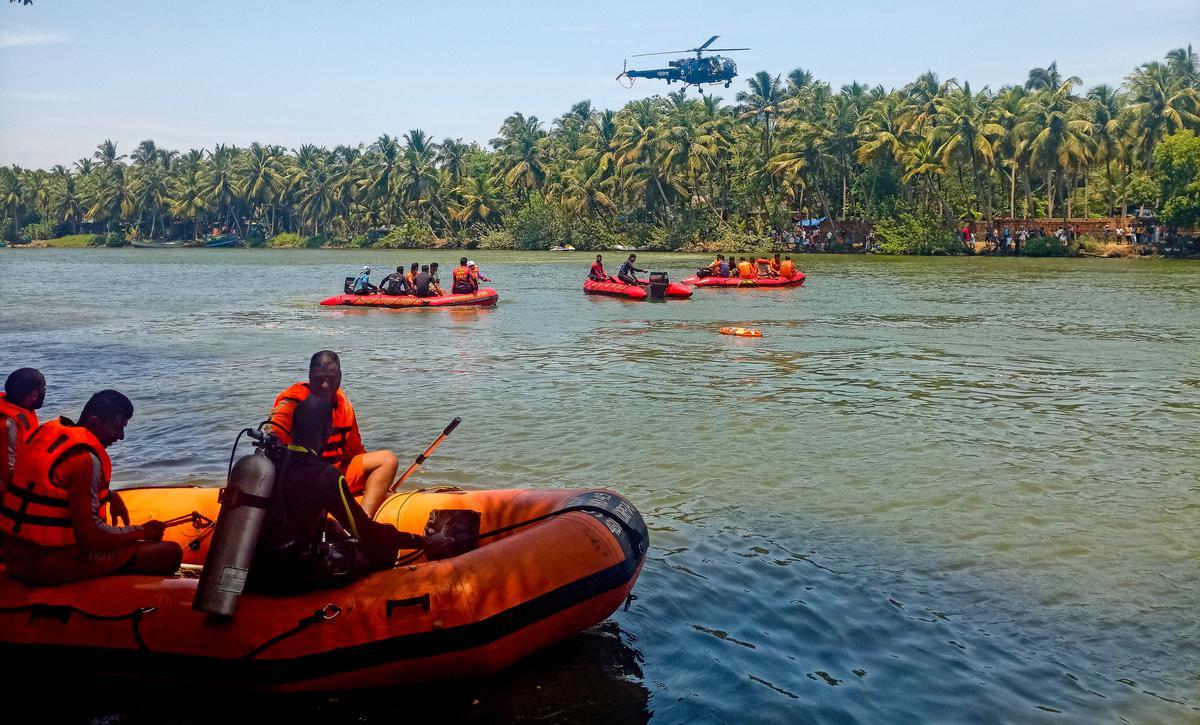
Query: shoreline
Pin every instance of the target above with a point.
(1102, 251)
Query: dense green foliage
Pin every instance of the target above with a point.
(670, 172)
(1177, 163)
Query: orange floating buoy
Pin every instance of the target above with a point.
(741, 331)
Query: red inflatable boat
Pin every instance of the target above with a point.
(484, 297)
(632, 291)
(794, 281)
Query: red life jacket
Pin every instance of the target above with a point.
(34, 507)
(12, 436)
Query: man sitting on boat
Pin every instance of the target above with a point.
(422, 284)
(476, 273)
(53, 516)
(464, 283)
(362, 283)
(713, 269)
(436, 284)
(368, 473)
(787, 268)
(775, 264)
(745, 269)
(24, 392)
(309, 490)
(763, 267)
(597, 273)
(395, 283)
(627, 270)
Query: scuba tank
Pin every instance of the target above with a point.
(244, 502)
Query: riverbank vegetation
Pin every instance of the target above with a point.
(671, 172)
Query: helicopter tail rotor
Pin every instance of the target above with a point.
(625, 74)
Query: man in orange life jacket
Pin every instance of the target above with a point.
(368, 473)
(464, 282)
(53, 514)
(24, 392)
(787, 268)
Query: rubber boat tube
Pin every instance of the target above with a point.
(471, 615)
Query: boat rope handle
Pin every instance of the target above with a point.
(63, 612)
(324, 614)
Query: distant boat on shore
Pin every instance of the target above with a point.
(223, 240)
(563, 248)
(150, 244)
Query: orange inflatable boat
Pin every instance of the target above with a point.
(551, 562)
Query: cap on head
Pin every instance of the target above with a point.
(470, 262)
(366, 268)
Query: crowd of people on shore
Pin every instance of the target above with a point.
(420, 280)
(61, 522)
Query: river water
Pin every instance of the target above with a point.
(952, 490)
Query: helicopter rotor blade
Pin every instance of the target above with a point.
(665, 52)
(719, 50)
(708, 42)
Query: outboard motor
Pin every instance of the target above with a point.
(244, 502)
(658, 285)
(349, 286)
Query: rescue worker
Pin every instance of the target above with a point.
(626, 272)
(395, 283)
(53, 514)
(24, 392)
(775, 265)
(410, 276)
(362, 283)
(476, 273)
(730, 268)
(712, 269)
(368, 473)
(423, 282)
(745, 269)
(597, 273)
(787, 268)
(763, 267)
(464, 283)
(436, 283)
(308, 490)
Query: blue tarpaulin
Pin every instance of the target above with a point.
(812, 222)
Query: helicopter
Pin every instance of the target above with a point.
(688, 71)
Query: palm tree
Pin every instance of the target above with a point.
(1044, 79)
(1184, 64)
(761, 103)
(969, 130)
(11, 196)
(1059, 138)
(480, 201)
(106, 154)
(1162, 103)
(522, 162)
(188, 200)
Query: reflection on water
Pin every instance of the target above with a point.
(935, 489)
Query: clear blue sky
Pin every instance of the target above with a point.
(344, 71)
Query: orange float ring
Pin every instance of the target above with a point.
(741, 331)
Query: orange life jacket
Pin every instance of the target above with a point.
(461, 274)
(23, 421)
(34, 507)
(787, 269)
(775, 265)
(746, 270)
(344, 441)
(716, 265)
